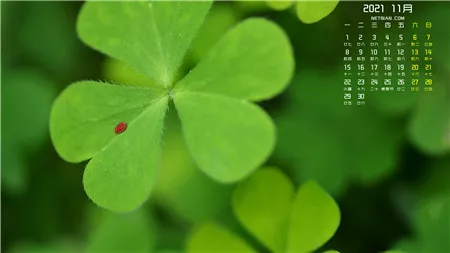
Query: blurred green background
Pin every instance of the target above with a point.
(387, 164)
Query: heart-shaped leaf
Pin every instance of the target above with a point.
(213, 238)
(262, 204)
(82, 125)
(241, 66)
(229, 138)
(315, 218)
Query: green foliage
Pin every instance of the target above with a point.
(181, 188)
(26, 101)
(264, 211)
(118, 72)
(280, 5)
(313, 11)
(219, 20)
(117, 233)
(315, 218)
(283, 221)
(152, 37)
(241, 69)
(221, 122)
(213, 238)
(431, 221)
(227, 136)
(327, 153)
(308, 11)
(430, 124)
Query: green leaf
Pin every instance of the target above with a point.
(213, 238)
(311, 11)
(279, 5)
(152, 37)
(181, 187)
(82, 126)
(227, 137)
(315, 218)
(262, 204)
(252, 61)
(331, 251)
(117, 233)
(84, 116)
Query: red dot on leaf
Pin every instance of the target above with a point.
(120, 128)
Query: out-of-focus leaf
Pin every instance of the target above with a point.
(329, 142)
(220, 19)
(315, 218)
(262, 204)
(280, 5)
(213, 238)
(430, 126)
(431, 219)
(26, 100)
(118, 233)
(48, 37)
(311, 11)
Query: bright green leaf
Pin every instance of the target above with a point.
(181, 187)
(314, 220)
(331, 251)
(215, 239)
(252, 61)
(227, 137)
(262, 204)
(152, 37)
(84, 116)
(280, 5)
(310, 11)
(130, 159)
(82, 126)
(118, 233)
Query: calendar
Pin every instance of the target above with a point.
(389, 50)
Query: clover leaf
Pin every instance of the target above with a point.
(282, 220)
(313, 11)
(308, 11)
(226, 134)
